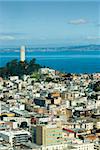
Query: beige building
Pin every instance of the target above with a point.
(98, 125)
(47, 135)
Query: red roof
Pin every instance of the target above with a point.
(68, 130)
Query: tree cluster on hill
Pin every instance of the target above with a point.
(18, 68)
(96, 86)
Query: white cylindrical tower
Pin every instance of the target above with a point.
(22, 54)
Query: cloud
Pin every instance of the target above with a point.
(78, 21)
(7, 37)
(10, 36)
(93, 38)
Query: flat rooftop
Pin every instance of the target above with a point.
(14, 132)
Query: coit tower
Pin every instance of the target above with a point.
(22, 54)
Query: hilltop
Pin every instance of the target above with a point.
(18, 68)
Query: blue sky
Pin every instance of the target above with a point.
(49, 23)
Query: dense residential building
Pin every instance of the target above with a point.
(53, 112)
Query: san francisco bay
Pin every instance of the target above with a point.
(85, 61)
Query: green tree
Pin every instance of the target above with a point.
(19, 68)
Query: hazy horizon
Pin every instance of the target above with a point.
(49, 23)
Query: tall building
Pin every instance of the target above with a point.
(47, 135)
(22, 54)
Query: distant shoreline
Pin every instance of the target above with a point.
(65, 61)
(53, 49)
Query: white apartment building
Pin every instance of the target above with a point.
(19, 120)
(15, 137)
(83, 146)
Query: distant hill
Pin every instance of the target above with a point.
(85, 47)
(65, 48)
